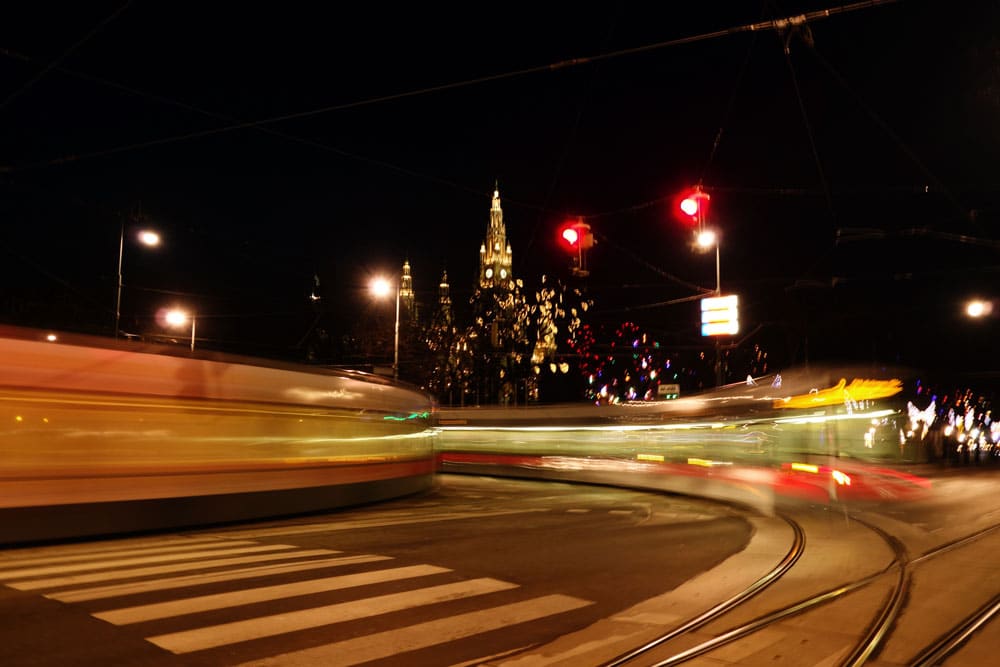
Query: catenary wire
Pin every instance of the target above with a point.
(774, 24)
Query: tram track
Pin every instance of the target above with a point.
(875, 635)
(795, 551)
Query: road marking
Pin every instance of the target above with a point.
(369, 523)
(116, 590)
(110, 575)
(424, 635)
(194, 605)
(269, 626)
(117, 551)
(176, 565)
(102, 564)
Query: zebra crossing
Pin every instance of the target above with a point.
(192, 594)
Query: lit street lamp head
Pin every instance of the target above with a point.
(148, 237)
(380, 287)
(706, 239)
(178, 318)
(978, 308)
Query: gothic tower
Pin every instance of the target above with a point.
(407, 300)
(444, 300)
(495, 253)
(500, 327)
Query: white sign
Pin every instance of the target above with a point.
(669, 391)
(720, 316)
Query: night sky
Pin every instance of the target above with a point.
(852, 162)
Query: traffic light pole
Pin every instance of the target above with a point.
(718, 292)
(692, 208)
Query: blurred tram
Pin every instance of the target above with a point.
(823, 434)
(815, 413)
(102, 436)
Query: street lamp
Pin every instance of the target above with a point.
(380, 288)
(144, 236)
(179, 318)
(705, 239)
(977, 308)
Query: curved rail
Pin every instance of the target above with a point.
(890, 610)
(791, 557)
(949, 643)
(591, 470)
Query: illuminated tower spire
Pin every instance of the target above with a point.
(495, 253)
(406, 297)
(444, 299)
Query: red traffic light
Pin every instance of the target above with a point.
(571, 235)
(576, 235)
(692, 205)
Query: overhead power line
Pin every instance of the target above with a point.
(54, 64)
(774, 24)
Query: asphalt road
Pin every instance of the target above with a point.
(478, 568)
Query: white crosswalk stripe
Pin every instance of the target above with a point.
(101, 564)
(423, 635)
(262, 594)
(277, 624)
(244, 574)
(173, 546)
(117, 590)
(111, 575)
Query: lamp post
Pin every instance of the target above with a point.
(179, 318)
(706, 238)
(381, 288)
(146, 237)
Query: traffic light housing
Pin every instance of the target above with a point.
(691, 206)
(576, 236)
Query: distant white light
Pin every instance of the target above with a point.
(148, 237)
(978, 308)
(176, 318)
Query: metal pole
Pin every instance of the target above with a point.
(193, 323)
(718, 282)
(718, 292)
(395, 347)
(118, 298)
